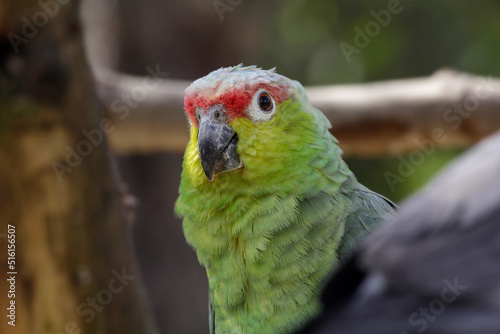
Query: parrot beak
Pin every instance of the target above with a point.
(217, 143)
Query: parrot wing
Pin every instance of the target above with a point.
(370, 209)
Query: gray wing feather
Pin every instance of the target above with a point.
(211, 315)
(370, 209)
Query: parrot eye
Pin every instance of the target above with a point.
(262, 108)
(265, 102)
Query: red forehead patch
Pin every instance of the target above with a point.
(234, 100)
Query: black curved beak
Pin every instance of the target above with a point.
(217, 143)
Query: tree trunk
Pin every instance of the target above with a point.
(60, 210)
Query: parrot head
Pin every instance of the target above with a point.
(242, 118)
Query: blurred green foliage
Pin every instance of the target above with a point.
(423, 37)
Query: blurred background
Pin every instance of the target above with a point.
(302, 40)
(315, 42)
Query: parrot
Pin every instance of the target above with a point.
(434, 266)
(266, 200)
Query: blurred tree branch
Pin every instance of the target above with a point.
(449, 108)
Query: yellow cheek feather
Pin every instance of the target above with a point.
(192, 163)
